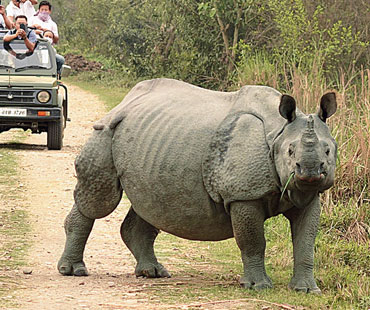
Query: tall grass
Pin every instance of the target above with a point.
(352, 131)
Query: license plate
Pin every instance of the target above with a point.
(13, 112)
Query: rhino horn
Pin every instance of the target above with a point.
(309, 137)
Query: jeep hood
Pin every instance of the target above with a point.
(28, 81)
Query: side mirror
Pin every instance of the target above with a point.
(66, 71)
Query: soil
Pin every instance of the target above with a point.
(47, 180)
(79, 63)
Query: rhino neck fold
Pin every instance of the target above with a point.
(300, 199)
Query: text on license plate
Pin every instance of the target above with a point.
(13, 112)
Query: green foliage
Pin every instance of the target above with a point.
(291, 20)
(302, 37)
(199, 41)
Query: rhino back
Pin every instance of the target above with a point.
(158, 149)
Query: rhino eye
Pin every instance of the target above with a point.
(327, 152)
(291, 150)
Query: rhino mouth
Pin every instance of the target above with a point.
(309, 182)
(310, 179)
(310, 176)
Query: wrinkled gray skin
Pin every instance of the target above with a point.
(205, 165)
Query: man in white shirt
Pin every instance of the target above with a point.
(42, 21)
(20, 7)
(4, 20)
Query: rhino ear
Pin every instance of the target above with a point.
(287, 108)
(328, 106)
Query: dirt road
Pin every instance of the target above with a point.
(47, 180)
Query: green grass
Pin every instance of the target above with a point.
(111, 96)
(212, 270)
(15, 227)
(14, 224)
(7, 166)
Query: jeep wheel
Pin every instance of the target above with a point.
(56, 134)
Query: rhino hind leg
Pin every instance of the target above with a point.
(97, 194)
(139, 237)
(247, 221)
(77, 228)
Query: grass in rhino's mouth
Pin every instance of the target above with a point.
(286, 184)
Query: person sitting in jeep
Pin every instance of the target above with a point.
(20, 7)
(49, 35)
(22, 32)
(4, 20)
(42, 21)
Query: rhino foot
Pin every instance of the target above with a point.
(150, 270)
(67, 268)
(305, 286)
(256, 284)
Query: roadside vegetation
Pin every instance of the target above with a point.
(110, 94)
(14, 224)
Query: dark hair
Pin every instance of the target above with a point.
(48, 31)
(45, 3)
(21, 16)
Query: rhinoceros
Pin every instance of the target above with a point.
(205, 165)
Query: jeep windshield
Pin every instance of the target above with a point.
(15, 57)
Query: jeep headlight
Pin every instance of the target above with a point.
(43, 96)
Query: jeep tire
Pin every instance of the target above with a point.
(56, 134)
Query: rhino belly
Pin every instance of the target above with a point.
(158, 156)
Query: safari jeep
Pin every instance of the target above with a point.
(31, 94)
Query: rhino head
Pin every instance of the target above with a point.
(305, 152)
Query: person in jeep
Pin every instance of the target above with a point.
(49, 35)
(20, 7)
(4, 20)
(42, 21)
(22, 32)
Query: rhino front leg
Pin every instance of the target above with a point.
(77, 228)
(247, 221)
(139, 237)
(304, 224)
